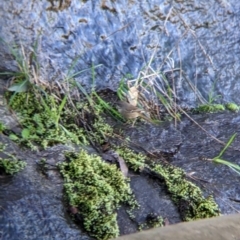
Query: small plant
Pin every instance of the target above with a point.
(211, 96)
(95, 101)
(22, 78)
(154, 91)
(123, 89)
(102, 105)
(135, 161)
(152, 221)
(218, 158)
(45, 119)
(187, 196)
(211, 108)
(51, 106)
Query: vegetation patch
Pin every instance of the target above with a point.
(10, 164)
(44, 122)
(47, 119)
(2, 127)
(135, 161)
(186, 195)
(96, 189)
(152, 221)
(211, 108)
(232, 107)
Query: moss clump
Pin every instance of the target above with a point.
(46, 120)
(135, 161)
(187, 196)
(101, 130)
(192, 205)
(10, 164)
(39, 115)
(210, 108)
(97, 189)
(152, 221)
(232, 107)
(2, 127)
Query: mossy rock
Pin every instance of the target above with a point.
(96, 189)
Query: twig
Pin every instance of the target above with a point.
(165, 22)
(219, 141)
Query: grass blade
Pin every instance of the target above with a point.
(60, 109)
(227, 163)
(227, 145)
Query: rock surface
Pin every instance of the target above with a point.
(220, 228)
(201, 38)
(31, 202)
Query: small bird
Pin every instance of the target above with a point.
(129, 111)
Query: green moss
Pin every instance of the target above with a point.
(135, 161)
(192, 205)
(151, 222)
(47, 121)
(187, 196)
(97, 189)
(101, 130)
(39, 117)
(232, 107)
(2, 127)
(210, 108)
(10, 164)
